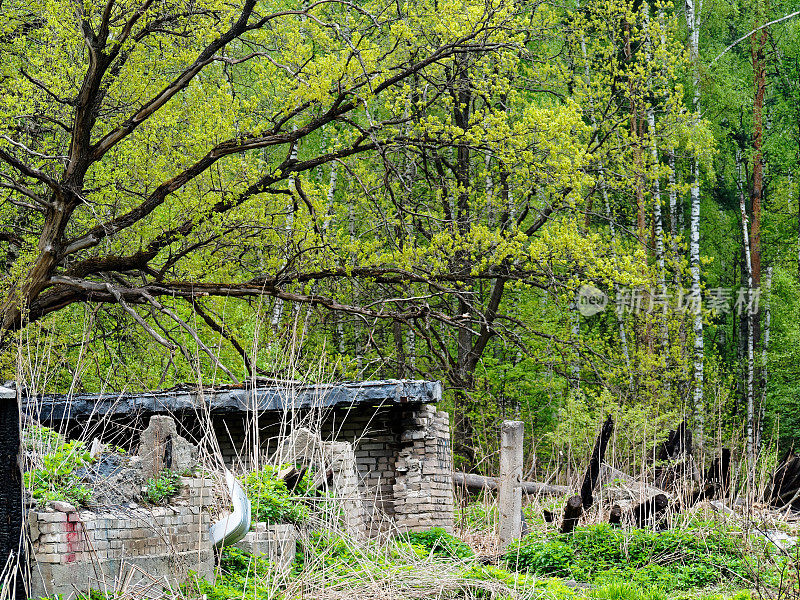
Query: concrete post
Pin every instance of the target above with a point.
(509, 498)
(12, 548)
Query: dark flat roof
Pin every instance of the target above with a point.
(234, 400)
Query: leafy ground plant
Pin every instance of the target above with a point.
(667, 560)
(439, 543)
(272, 501)
(54, 477)
(240, 575)
(162, 487)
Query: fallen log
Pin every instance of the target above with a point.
(573, 510)
(480, 483)
(593, 470)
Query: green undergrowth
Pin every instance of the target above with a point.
(438, 543)
(410, 569)
(161, 488)
(272, 501)
(56, 462)
(673, 560)
(239, 575)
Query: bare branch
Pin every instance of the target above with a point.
(171, 314)
(137, 317)
(30, 171)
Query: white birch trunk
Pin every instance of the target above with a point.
(693, 24)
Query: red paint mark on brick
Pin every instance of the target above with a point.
(74, 530)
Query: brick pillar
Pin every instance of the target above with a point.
(423, 490)
(345, 485)
(12, 549)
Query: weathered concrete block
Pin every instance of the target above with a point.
(276, 543)
(160, 447)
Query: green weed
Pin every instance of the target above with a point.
(55, 479)
(162, 487)
(668, 560)
(272, 502)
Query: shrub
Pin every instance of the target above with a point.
(55, 479)
(271, 500)
(163, 487)
(438, 542)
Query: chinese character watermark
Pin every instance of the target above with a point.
(717, 301)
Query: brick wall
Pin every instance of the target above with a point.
(98, 548)
(402, 455)
(423, 492)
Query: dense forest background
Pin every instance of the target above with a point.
(208, 192)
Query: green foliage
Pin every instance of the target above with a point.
(439, 543)
(40, 439)
(551, 557)
(271, 500)
(331, 553)
(162, 487)
(624, 591)
(482, 516)
(55, 477)
(95, 595)
(511, 579)
(240, 575)
(678, 559)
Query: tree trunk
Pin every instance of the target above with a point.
(12, 549)
(593, 470)
(747, 317)
(764, 359)
(693, 24)
(573, 510)
(400, 351)
(480, 483)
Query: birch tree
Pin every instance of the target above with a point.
(693, 10)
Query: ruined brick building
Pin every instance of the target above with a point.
(400, 441)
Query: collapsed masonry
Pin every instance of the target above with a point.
(134, 548)
(399, 444)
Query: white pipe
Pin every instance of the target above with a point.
(233, 527)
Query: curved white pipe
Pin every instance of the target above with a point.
(233, 527)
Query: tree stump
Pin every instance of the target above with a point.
(572, 514)
(650, 511)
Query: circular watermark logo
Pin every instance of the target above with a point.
(591, 301)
